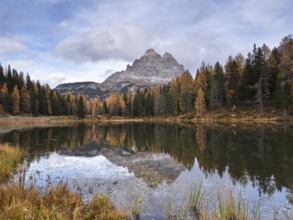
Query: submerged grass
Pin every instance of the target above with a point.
(228, 207)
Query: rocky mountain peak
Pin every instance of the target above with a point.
(151, 69)
(151, 52)
(168, 58)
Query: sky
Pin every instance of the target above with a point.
(58, 41)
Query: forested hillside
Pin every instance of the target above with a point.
(264, 78)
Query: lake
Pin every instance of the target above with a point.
(156, 164)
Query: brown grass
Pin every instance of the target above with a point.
(9, 158)
(58, 203)
(19, 202)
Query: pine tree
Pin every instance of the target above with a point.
(248, 80)
(186, 92)
(219, 80)
(2, 76)
(80, 109)
(282, 97)
(9, 79)
(149, 104)
(232, 82)
(274, 61)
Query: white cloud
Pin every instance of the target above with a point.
(55, 79)
(112, 43)
(10, 45)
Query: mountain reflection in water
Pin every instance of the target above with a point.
(262, 155)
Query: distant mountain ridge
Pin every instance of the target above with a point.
(150, 70)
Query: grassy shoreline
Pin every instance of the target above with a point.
(9, 122)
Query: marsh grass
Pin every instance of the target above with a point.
(136, 212)
(9, 159)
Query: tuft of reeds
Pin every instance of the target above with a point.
(196, 197)
(136, 208)
(9, 158)
(231, 207)
(194, 206)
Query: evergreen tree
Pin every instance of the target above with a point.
(9, 79)
(219, 81)
(80, 109)
(232, 82)
(282, 97)
(149, 104)
(186, 92)
(274, 61)
(2, 76)
(248, 80)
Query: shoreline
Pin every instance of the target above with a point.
(14, 122)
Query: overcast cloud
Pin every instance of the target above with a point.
(59, 41)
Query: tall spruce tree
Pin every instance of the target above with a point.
(186, 92)
(232, 82)
(80, 109)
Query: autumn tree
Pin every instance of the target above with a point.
(174, 93)
(25, 100)
(200, 105)
(286, 62)
(15, 100)
(4, 98)
(201, 86)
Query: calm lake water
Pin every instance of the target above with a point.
(157, 163)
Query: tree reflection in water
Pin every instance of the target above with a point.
(259, 153)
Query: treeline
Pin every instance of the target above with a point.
(264, 78)
(21, 95)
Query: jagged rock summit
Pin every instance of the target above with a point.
(151, 69)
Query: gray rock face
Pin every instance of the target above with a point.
(90, 89)
(151, 69)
